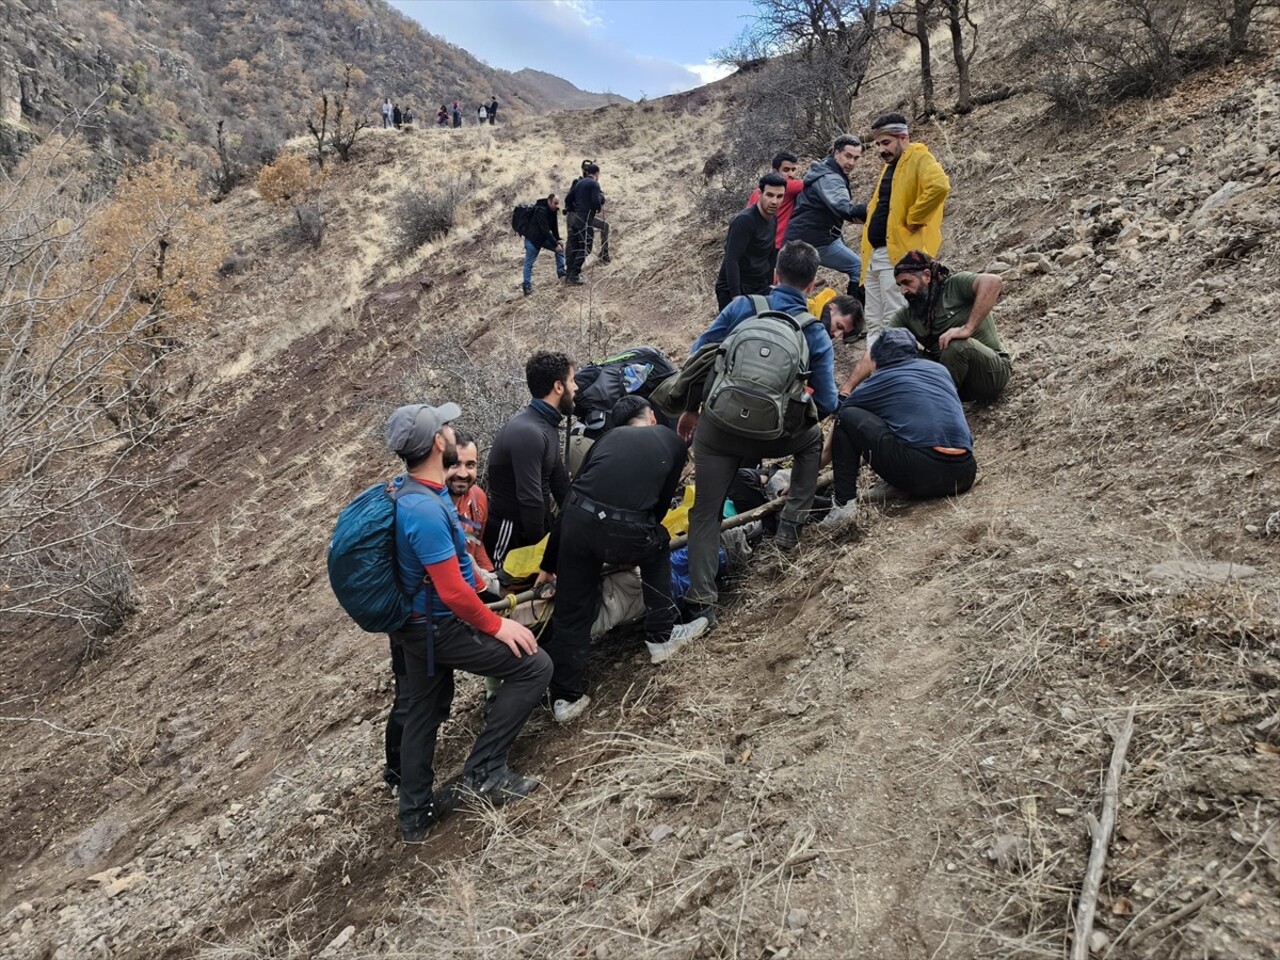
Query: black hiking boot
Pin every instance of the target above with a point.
(704, 611)
(574, 279)
(418, 830)
(498, 786)
(788, 536)
(526, 288)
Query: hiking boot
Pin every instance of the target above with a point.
(841, 514)
(703, 611)
(605, 258)
(681, 634)
(574, 279)
(566, 711)
(498, 786)
(526, 288)
(418, 830)
(788, 536)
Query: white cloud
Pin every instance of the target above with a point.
(584, 10)
(709, 72)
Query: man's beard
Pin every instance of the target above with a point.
(916, 300)
(566, 403)
(450, 456)
(458, 486)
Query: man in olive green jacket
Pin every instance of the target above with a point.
(904, 213)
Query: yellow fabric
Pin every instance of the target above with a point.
(677, 520)
(525, 562)
(821, 299)
(920, 188)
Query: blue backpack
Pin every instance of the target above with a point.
(362, 559)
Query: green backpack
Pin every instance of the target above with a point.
(757, 389)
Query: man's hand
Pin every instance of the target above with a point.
(559, 248)
(914, 227)
(517, 637)
(828, 445)
(955, 333)
(488, 581)
(545, 585)
(686, 425)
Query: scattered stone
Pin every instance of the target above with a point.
(337, 943)
(234, 809)
(19, 913)
(240, 759)
(117, 887)
(95, 843)
(951, 867)
(1075, 253)
(1098, 941)
(1225, 193)
(106, 876)
(1009, 852)
(660, 833)
(998, 266)
(798, 919)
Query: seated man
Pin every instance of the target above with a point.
(950, 314)
(613, 515)
(473, 507)
(906, 420)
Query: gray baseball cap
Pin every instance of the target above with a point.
(412, 429)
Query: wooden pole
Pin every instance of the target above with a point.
(1101, 834)
(824, 481)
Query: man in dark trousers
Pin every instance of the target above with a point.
(718, 454)
(906, 420)
(614, 517)
(526, 470)
(749, 251)
(449, 629)
(583, 203)
(543, 233)
(824, 206)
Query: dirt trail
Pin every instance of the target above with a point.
(888, 749)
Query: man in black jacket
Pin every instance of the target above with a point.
(583, 203)
(526, 471)
(542, 233)
(749, 250)
(824, 206)
(614, 516)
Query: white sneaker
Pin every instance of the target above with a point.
(681, 634)
(567, 710)
(839, 516)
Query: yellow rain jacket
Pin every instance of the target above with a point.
(920, 188)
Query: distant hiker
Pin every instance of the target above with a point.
(749, 249)
(583, 203)
(785, 425)
(526, 470)
(482, 114)
(905, 419)
(542, 233)
(950, 314)
(471, 503)
(442, 117)
(904, 213)
(598, 223)
(493, 111)
(787, 165)
(457, 115)
(450, 629)
(613, 516)
(396, 116)
(823, 207)
(407, 118)
(387, 110)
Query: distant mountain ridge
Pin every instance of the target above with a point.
(166, 71)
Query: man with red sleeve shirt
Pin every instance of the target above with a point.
(450, 629)
(788, 165)
(472, 505)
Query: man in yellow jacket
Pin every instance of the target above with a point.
(904, 213)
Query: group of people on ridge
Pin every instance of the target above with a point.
(757, 385)
(393, 116)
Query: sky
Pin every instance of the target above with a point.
(635, 48)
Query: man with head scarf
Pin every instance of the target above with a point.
(904, 213)
(907, 422)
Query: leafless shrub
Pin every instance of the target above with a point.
(421, 215)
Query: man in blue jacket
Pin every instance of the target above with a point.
(824, 206)
(904, 418)
(718, 454)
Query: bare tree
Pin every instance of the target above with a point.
(1239, 15)
(916, 19)
(81, 353)
(228, 173)
(347, 123)
(961, 22)
(318, 126)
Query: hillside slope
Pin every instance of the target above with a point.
(167, 72)
(889, 748)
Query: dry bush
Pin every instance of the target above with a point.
(95, 297)
(422, 215)
(289, 181)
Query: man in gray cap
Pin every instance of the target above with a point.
(905, 419)
(449, 629)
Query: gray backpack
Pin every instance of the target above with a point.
(757, 389)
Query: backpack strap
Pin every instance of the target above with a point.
(395, 491)
(761, 304)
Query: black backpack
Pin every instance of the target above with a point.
(604, 383)
(522, 218)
